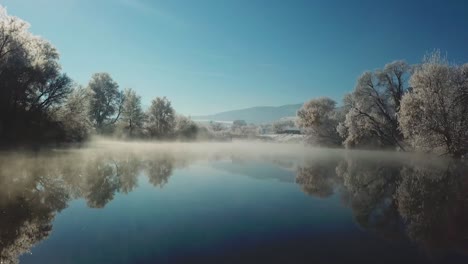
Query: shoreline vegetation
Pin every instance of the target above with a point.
(402, 107)
(421, 108)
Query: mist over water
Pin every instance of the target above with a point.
(249, 202)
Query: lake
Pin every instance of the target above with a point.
(243, 202)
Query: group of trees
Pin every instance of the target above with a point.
(281, 125)
(120, 113)
(33, 90)
(434, 114)
(238, 128)
(39, 103)
(421, 107)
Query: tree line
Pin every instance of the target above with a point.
(40, 103)
(120, 113)
(406, 107)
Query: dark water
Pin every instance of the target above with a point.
(251, 204)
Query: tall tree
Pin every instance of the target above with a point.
(374, 106)
(106, 100)
(161, 118)
(74, 115)
(434, 115)
(31, 81)
(318, 119)
(280, 125)
(237, 125)
(132, 117)
(185, 128)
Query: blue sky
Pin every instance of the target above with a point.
(208, 56)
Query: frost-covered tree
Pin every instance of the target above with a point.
(31, 81)
(132, 118)
(106, 100)
(216, 126)
(373, 107)
(240, 127)
(237, 125)
(185, 128)
(161, 118)
(318, 119)
(281, 125)
(250, 130)
(434, 115)
(74, 115)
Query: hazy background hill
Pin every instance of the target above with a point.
(256, 115)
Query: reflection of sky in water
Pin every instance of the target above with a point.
(200, 211)
(238, 209)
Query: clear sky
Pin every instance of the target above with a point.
(208, 56)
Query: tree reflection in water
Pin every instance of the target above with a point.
(434, 204)
(318, 178)
(34, 188)
(30, 196)
(395, 199)
(160, 169)
(426, 203)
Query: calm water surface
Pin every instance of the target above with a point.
(230, 203)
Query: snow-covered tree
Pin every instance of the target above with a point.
(216, 126)
(318, 119)
(106, 100)
(239, 123)
(185, 128)
(238, 126)
(132, 118)
(31, 81)
(161, 118)
(434, 115)
(373, 107)
(249, 130)
(281, 125)
(74, 115)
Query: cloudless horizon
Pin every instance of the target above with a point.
(211, 56)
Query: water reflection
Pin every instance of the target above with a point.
(33, 189)
(397, 199)
(160, 169)
(427, 203)
(434, 204)
(29, 200)
(368, 189)
(318, 177)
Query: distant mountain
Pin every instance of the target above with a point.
(256, 115)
